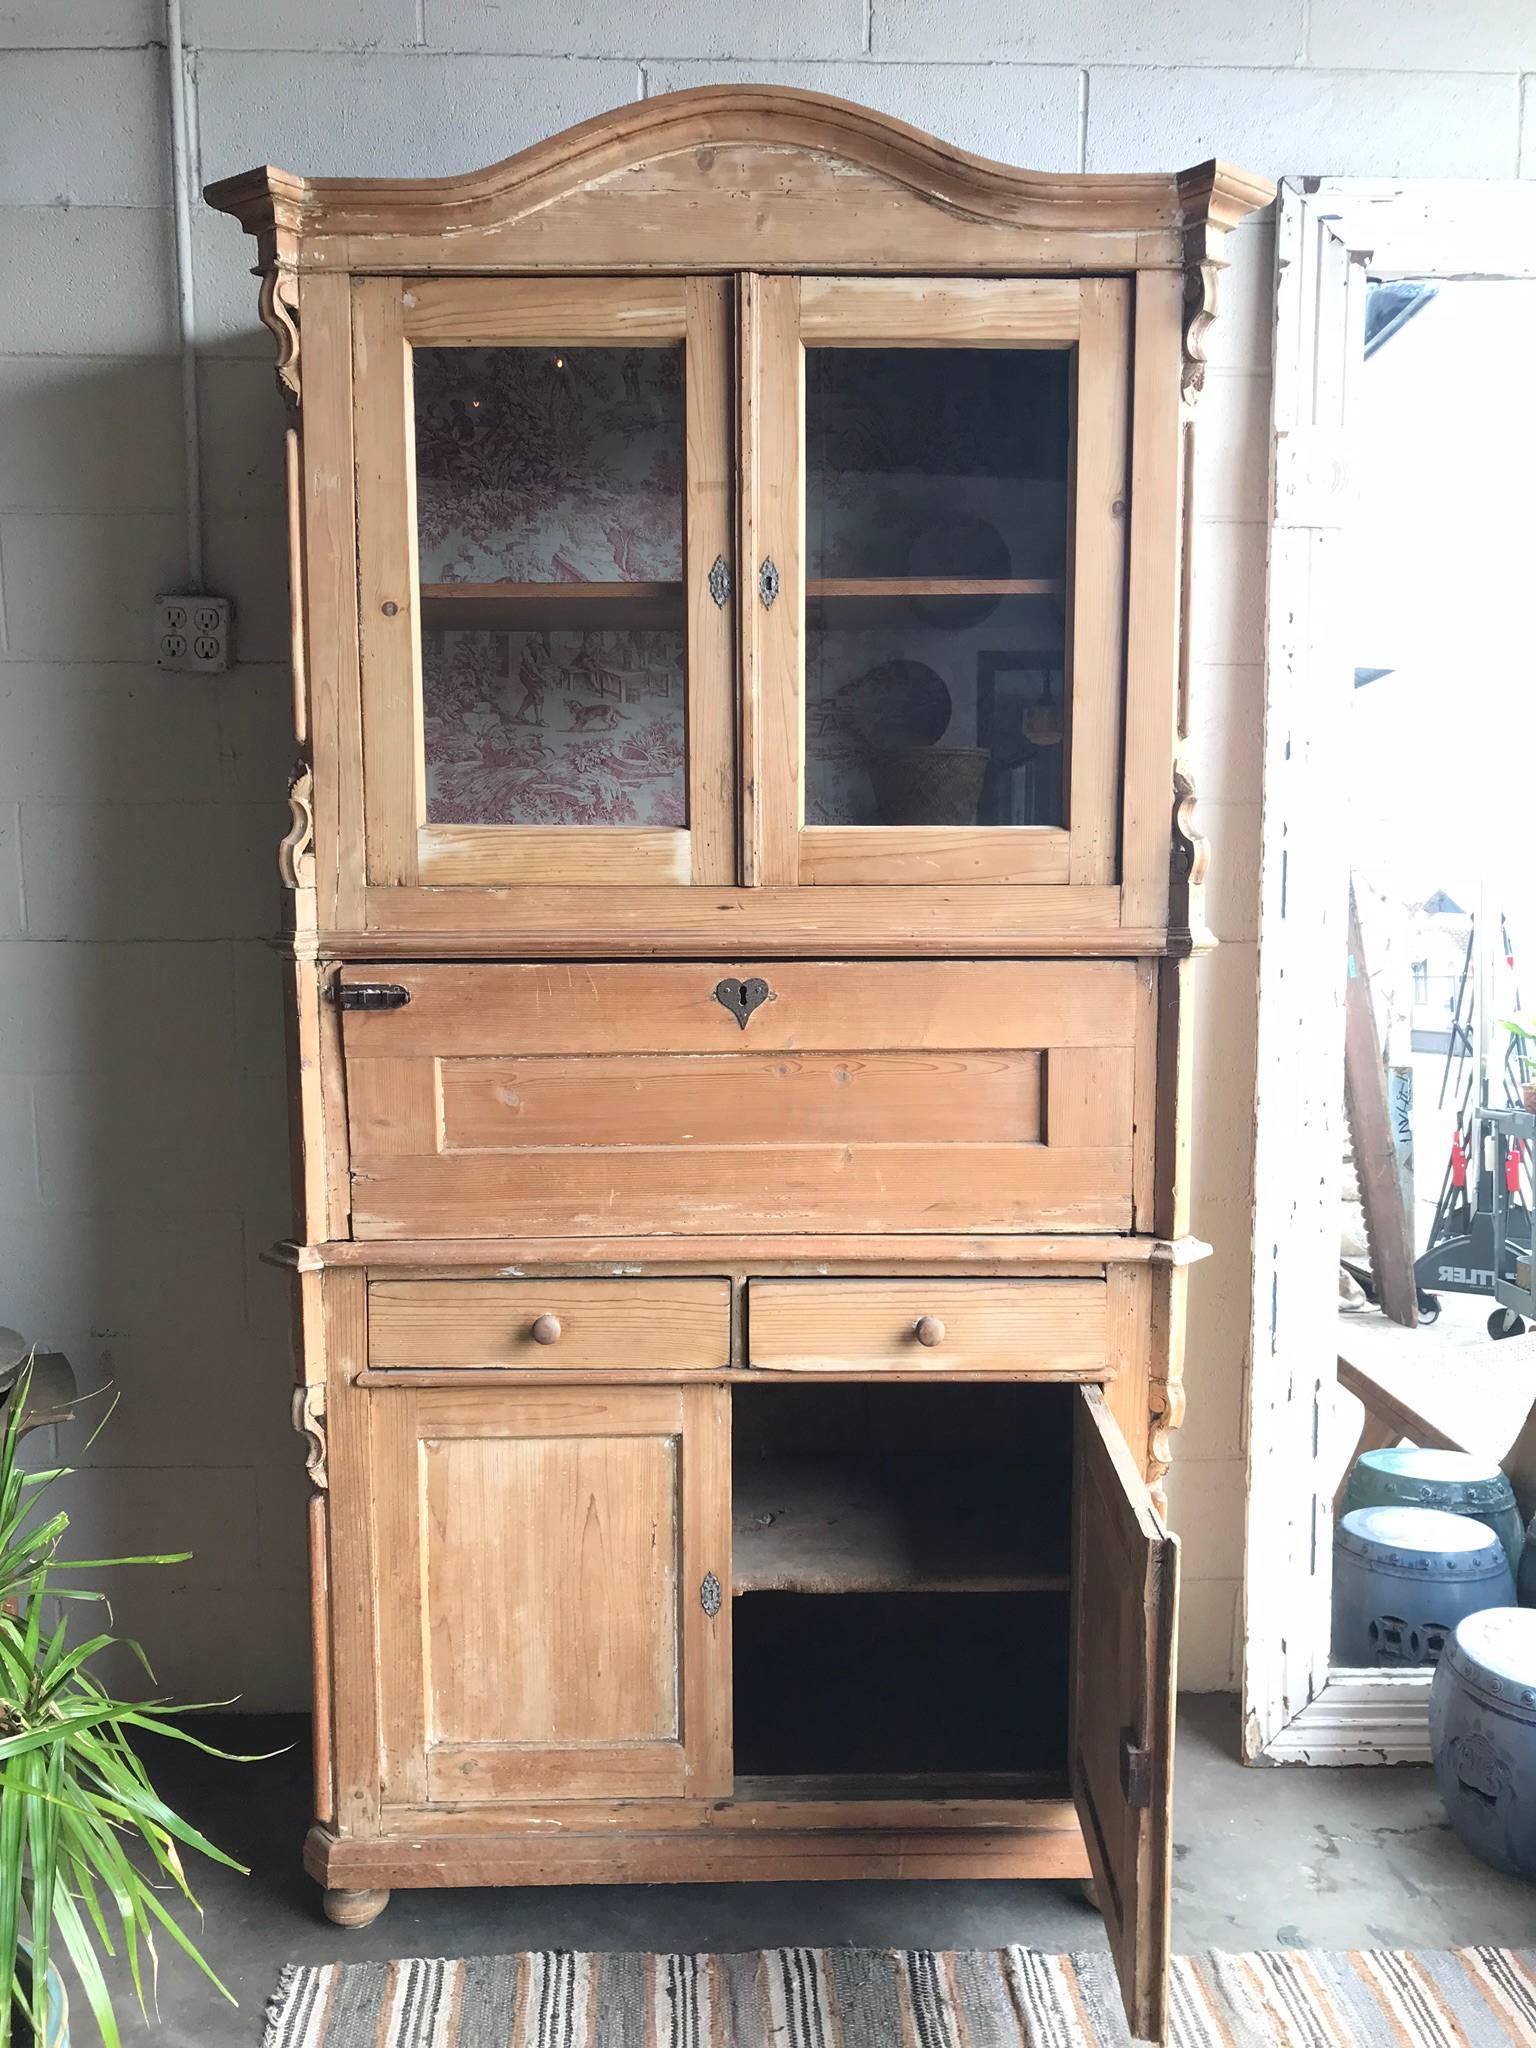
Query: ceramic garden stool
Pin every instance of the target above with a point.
(1404, 1577)
(1482, 1736)
(1456, 1482)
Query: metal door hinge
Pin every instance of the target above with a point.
(1135, 1772)
(369, 995)
(768, 582)
(720, 581)
(710, 1595)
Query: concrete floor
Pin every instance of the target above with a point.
(1263, 1858)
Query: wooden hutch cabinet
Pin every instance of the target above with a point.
(740, 886)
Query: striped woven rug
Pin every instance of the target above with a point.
(906, 1998)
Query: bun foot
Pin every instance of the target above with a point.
(355, 1909)
(1089, 1892)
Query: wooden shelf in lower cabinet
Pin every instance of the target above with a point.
(894, 1524)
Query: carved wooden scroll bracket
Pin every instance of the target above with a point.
(279, 308)
(309, 1421)
(296, 849)
(1189, 863)
(1200, 309)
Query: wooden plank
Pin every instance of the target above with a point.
(583, 856)
(395, 1105)
(1088, 1095)
(356, 1734)
(1125, 1594)
(927, 312)
(970, 1253)
(330, 598)
(705, 1555)
(1096, 683)
(744, 1098)
(1153, 601)
(1052, 1327)
(709, 513)
(867, 1188)
(894, 1523)
(1048, 1844)
(501, 312)
(980, 1802)
(459, 1772)
(1145, 1096)
(553, 921)
(1127, 1353)
(934, 586)
(1388, 1226)
(816, 1006)
(908, 854)
(772, 529)
(633, 1324)
(394, 765)
(550, 607)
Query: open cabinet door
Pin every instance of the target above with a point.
(1124, 1635)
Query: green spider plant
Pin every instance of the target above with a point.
(86, 1847)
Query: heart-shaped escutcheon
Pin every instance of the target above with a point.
(741, 998)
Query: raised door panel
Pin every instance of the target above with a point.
(540, 1557)
(935, 533)
(1124, 1646)
(544, 491)
(811, 1096)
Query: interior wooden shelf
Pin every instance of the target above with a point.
(577, 607)
(893, 1523)
(934, 586)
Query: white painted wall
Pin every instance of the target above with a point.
(142, 1133)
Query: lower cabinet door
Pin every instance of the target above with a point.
(1124, 1637)
(552, 1572)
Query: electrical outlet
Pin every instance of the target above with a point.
(192, 633)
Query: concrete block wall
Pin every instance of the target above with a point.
(142, 1117)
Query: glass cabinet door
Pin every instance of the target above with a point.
(938, 518)
(546, 643)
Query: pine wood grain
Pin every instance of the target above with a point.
(1053, 1327)
(637, 1325)
(459, 1011)
(789, 1189)
(745, 1098)
(893, 312)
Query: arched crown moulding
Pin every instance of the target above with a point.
(743, 177)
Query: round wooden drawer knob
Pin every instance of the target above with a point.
(929, 1330)
(546, 1330)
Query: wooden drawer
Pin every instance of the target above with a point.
(1053, 1328)
(587, 1324)
(856, 1096)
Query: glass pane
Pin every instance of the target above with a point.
(917, 712)
(549, 498)
(936, 486)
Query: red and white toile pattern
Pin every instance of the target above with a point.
(554, 728)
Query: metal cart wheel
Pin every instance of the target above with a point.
(1429, 1306)
(1505, 1323)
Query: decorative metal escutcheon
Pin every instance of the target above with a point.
(720, 581)
(709, 1595)
(741, 998)
(768, 582)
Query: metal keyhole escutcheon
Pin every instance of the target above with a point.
(741, 998)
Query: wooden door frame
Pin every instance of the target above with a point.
(1331, 235)
(1090, 320)
(393, 316)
